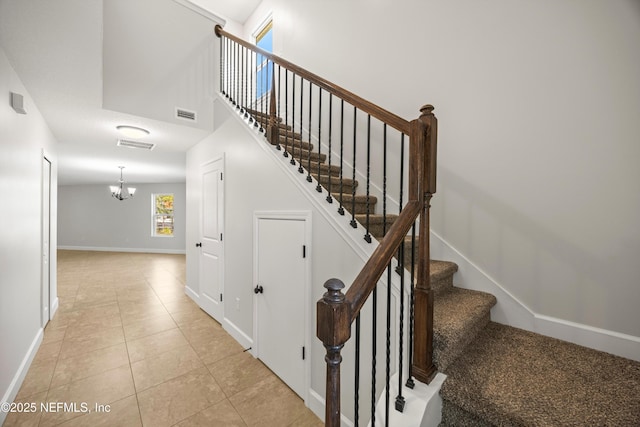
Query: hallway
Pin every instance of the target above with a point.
(130, 348)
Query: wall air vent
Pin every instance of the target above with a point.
(183, 114)
(136, 144)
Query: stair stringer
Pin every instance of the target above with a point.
(509, 310)
(353, 237)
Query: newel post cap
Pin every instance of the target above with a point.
(333, 321)
(427, 110)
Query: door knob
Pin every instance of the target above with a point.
(258, 289)
(198, 245)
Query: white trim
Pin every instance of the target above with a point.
(317, 403)
(203, 12)
(192, 294)
(108, 249)
(54, 306)
(243, 339)
(21, 373)
(511, 311)
(258, 28)
(45, 157)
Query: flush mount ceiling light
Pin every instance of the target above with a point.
(120, 193)
(132, 131)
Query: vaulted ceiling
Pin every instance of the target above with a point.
(92, 65)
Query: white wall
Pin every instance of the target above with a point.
(89, 218)
(538, 105)
(22, 141)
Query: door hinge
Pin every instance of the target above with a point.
(303, 355)
(304, 251)
(221, 176)
(221, 237)
(220, 297)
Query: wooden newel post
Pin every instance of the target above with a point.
(333, 329)
(423, 367)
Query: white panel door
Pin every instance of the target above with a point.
(46, 237)
(211, 238)
(280, 298)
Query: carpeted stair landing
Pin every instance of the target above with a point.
(511, 377)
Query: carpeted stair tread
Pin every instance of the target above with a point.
(441, 273)
(299, 153)
(511, 377)
(377, 226)
(357, 204)
(458, 316)
(287, 143)
(347, 183)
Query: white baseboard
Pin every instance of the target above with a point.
(242, 338)
(136, 250)
(317, 403)
(511, 311)
(192, 294)
(11, 393)
(54, 307)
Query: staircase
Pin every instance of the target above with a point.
(496, 375)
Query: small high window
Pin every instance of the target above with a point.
(162, 210)
(264, 74)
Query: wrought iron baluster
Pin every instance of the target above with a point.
(238, 96)
(263, 98)
(260, 87)
(309, 179)
(329, 196)
(341, 207)
(387, 382)
(285, 152)
(319, 187)
(356, 394)
(410, 383)
(354, 223)
(245, 82)
(400, 402)
(226, 68)
(293, 118)
(232, 69)
(300, 168)
(374, 351)
(275, 108)
(241, 70)
(222, 65)
(367, 236)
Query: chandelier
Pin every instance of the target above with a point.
(119, 192)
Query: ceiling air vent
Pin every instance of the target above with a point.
(135, 144)
(183, 114)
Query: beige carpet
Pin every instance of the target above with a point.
(511, 377)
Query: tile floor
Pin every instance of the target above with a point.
(126, 337)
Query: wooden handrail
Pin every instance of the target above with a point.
(381, 114)
(361, 287)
